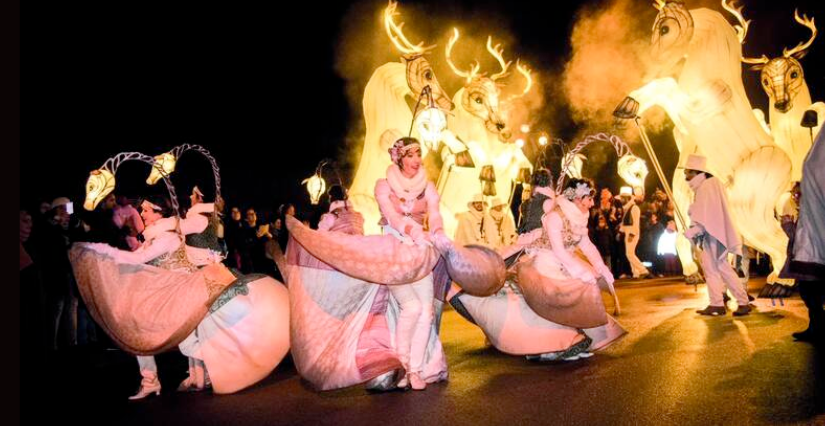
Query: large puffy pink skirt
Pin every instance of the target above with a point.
(244, 339)
(560, 313)
(144, 309)
(343, 328)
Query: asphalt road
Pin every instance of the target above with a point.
(674, 367)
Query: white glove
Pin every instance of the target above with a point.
(419, 237)
(606, 274)
(588, 277)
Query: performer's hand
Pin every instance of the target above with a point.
(608, 276)
(441, 242)
(419, 237)
(588, 277)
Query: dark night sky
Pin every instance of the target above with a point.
(104, 79)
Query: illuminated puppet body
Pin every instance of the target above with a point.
(386, 108)
(479, 121)
(784, 82)
(711, 114)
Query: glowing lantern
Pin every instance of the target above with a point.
(488, 179)
(575, 165)
(543, 140)
(164, 166)
(523, 175)
(316, 186)
(101, 183)
(520, 143)
(667, 243)
(430, 123)
(632, 170)
(525, 128)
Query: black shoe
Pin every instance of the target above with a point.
(713, 311)
(742, 311)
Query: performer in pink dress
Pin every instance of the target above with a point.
(234, 328)
(362, 306)
(551, 307)
(406, 198)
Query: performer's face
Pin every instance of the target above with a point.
(411, 162)
(584, 203)
(690, 174)
(149, 215)
(109, 202)
(478, 206)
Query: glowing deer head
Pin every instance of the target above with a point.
(419, 71)
(782, 77)
(101, 183)
(672, 32)
(481, 96)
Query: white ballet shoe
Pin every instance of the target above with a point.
(416, 382)
(145, 391)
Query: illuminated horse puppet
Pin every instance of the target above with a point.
(478, 125)
(386, 110)
(784, 82)
(699, 85)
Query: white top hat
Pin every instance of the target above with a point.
(626, 190)
(697, 162)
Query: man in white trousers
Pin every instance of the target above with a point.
(713, 231)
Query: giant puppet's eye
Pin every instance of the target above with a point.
(664, 30)
(794, 74)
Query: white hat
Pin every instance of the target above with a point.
(478, 198)
(626, 190)
(60, 201)
(696, 162)
(497, 202)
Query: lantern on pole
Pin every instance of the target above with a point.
(430, 122)
(488, 180)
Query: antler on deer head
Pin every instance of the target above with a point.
(523, 70)
(801, 49)
(742, 28)
(396, 34)
(497, 51)
(469, 75)
(742, 31)
(659, 4)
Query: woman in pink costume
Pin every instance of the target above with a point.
(405, 198)
(234, 329)
(362, 306)
(551, 307)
